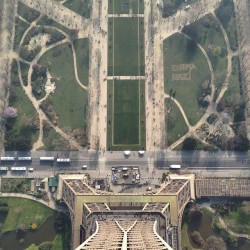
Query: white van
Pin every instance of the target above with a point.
(30, 169)
(84, 167)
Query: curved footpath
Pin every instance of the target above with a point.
(224, 225)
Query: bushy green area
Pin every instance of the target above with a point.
(126, 6)
(185, 238)
(233, 97)
(24, 211)
(170, 7)
(82, 7)
(126, 52)
(239, 219)
(190, 93)
(20, 28)
(45, 21)
(226, 15)
(22, 130)
(126, 116)
(27, 13)
(69, 101)
(18, 185)
(174, 123)
(206, 31)
(82, 58)
(52, 140)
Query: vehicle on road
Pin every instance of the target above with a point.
(175, 167)
(84, 167)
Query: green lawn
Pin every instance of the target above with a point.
(20, 28)
(53, 141)
(24, 70)
(24, 211)
(57, 243)
(82, 58)
(234, 88)
(26, 113)
(69, 100)
(29, 14)
(174, 123)
(126, 116)
(81, 7)
(185, 238)
(180, 50)
(126, 6)
(126, 46)
(238, 221)
(226, 15)
(207, 32)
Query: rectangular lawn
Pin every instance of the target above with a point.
(126, 6)
(126, 47)
(126, 116)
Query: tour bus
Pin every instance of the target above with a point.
(18, 169)
(4, 169)
(46, 158)
(7, 158)
(26, 158)
(63, 160)
(175, 167)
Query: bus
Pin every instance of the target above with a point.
(175, 167)
(17, 169)
(50, 158)
(63, 160)
(7, 158)
(4, 168)
(26, 158)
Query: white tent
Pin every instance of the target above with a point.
(141, 152)
(127, 152)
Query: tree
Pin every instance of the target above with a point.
(214, 243)
(4, 210)
(189, 144)
(32, 247)
(73, 35)
(45, 246)
(196, 237)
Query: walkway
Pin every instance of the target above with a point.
(224, 225)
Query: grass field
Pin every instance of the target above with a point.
(207, 32)
(180, 50)
(175, 123)
(82, 57)
(126, 116)
(20, 28)
(81, 7)
(126, 47)
(24, 211)
(126, 7)
(226, 15)
(69, 100)
(53, 141)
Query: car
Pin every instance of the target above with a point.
(30, 169)
(84, 167)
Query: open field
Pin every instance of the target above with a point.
(126, 47)
(69, 100)
(206, 31)
(226, 15)
(126, 6)
(82, 7)
(180, 50)
(27, 13)
(82, 57)
(175, 123)
(24, 211)
(126, 115)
